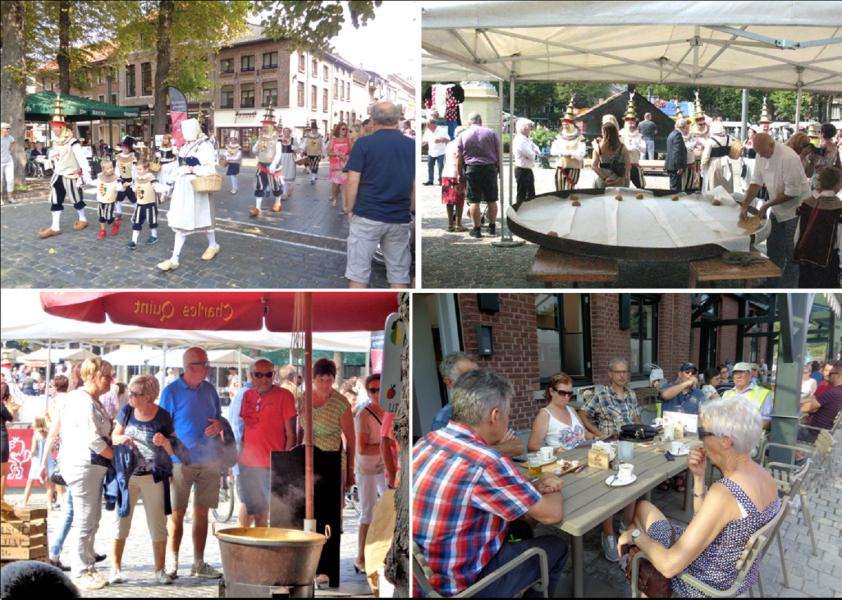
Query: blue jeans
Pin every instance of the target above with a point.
(431, 163)
(507, 587)
(650, 150)
(61, 534)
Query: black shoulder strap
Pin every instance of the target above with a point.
(374, 414)
(128, 416)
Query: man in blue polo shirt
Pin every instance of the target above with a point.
(195, 408)
(683, 395)
(379, 198)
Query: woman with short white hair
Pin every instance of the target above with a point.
(452, 188)
(726, 515)
(525, 152)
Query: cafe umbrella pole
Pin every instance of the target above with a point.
(309, 512)
(506, 240)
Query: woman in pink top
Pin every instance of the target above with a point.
(338, 150)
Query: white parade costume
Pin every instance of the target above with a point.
(633, 141)
(570, 149)
(716, 165)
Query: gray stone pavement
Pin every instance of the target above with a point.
(456, 260)
(809, 576)
(303, 246)
(138, 566)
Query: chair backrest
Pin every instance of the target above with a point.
(825, 442)
(421, 573)
(788, 477)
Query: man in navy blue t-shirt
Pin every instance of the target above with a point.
(379, 198)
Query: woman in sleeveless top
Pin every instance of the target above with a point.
(726, 515)
(339, 149)
(332, 419)
(557, 424)
(611, 161)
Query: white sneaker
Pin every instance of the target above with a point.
(203, 569)
(115, 577)
(163, 578)
(171, 568)
(609, 548)
(90, 580)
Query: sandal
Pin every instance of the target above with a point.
(460, 229)
(321, 581)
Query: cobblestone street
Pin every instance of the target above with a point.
(137, 558)
(303, 246)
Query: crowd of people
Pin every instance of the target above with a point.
(161, 438)
(463, 460)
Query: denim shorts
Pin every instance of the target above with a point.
(253, 487)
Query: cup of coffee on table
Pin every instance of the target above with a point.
(626, 472)
(547, 452)
(676, 447)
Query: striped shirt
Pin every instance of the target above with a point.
(464, 495)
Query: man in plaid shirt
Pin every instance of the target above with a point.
(465, 493)
(613, 406)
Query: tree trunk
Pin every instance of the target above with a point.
(162, 62)
(63, 57)
(12, 80)
(397, 563)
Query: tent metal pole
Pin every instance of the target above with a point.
(164, 362)
(48, 378)
(309, 511)
(744, 116)
(506, 240)
(798, 107)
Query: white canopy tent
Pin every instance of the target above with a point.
(55, 355)
(793, 46)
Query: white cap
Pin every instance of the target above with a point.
(742, 366)
(655, 375)
(5, 125)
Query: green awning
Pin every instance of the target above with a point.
(39, 107)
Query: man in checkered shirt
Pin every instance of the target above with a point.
(613, 406)
(465, 494)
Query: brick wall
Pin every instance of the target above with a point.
(607, 339)
(515, 338)
(727, 337)
(674, 313)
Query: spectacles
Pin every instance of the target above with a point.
(374, 390)
(619, 372)
(135, 394)
(703, 433)
(262, 375)
(563, 392)
(203, 365)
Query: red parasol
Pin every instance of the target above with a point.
(229, 310)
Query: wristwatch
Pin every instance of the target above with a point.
(635, 534)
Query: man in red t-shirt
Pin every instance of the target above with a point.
(268, 414)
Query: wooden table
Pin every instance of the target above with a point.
(713, 269)
(588, 501)
(551, 267)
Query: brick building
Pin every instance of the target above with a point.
(529, 337)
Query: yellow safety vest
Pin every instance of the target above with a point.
(756, 396)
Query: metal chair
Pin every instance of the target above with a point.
(820, 451)
(790, 480)
(836, 421)
(421, 573)
(754, 551)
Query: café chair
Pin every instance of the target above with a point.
(421, 573)
(821, 450)
(753, 553)
(833, 428)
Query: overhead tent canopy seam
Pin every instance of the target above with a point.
(737, 44)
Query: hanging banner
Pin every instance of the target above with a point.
(178, 113)
(391, 387)
(20, 457)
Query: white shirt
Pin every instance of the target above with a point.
(525, 151)
(451, 153)
(782, 173)
(435, 148)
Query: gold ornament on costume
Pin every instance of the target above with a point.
(813, 133)
(269, 116)
(630, 113)
(678, 113)
(58, 112)
(699, 114)
(764, 113)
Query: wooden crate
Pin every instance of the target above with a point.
(25, 513)
(20, 553)
(23, 527)
(24, 541)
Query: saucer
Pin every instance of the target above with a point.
(684, 451)
(619, 482)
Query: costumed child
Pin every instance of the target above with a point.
(266, 148)
(70, 172)
(107, 188)
(232, 155)
(569, 147)
(126, 161)
(314, 149)
(146, 189)
(167, 156)
(285, 162)
(817, 237)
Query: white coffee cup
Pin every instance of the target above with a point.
(676, 447)
(534, 459)
(547, 452)
(626, 472)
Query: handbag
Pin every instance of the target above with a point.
(650, 581)
(637, 432)
(56, 477)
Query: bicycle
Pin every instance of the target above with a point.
(227, 497)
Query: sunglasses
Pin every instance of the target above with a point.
(259, 375)
(703, 433)
(135, 394)
(564, 392)
(374, 390)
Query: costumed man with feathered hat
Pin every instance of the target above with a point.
(633, 141)
(569, 147)
(70, 172)
(266, 148)
(125, 162)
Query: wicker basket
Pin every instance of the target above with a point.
(207, 184)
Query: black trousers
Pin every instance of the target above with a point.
(675, 181)
(525, 180)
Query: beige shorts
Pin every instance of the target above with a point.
(144, 486)
(205, 477)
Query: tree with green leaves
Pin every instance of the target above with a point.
(309, 26)
(13, 77)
